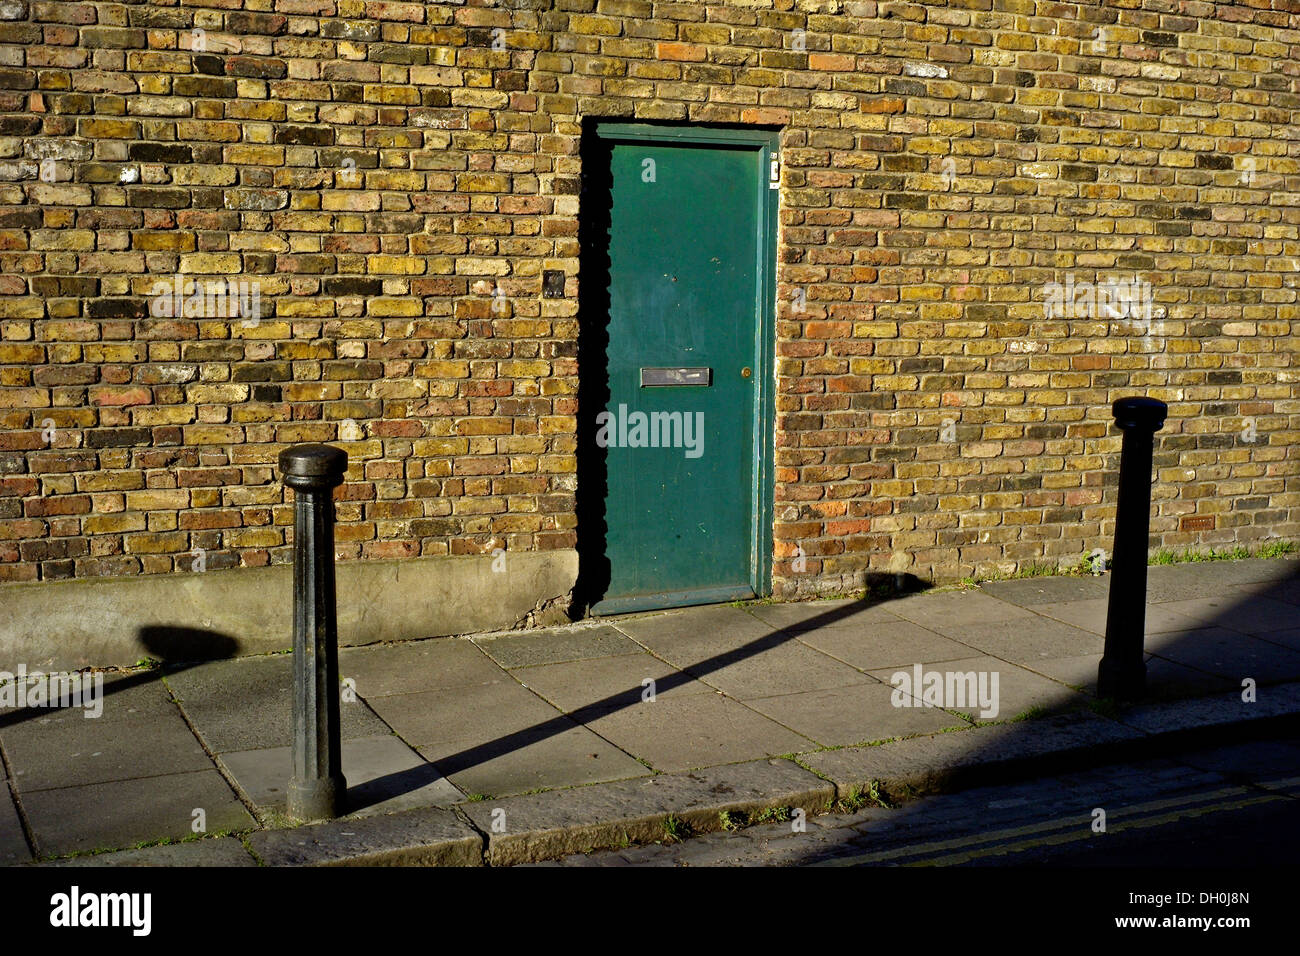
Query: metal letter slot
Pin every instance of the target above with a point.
(676, 376)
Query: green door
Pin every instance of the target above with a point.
(685, 434)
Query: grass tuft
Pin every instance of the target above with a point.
(676, 829)
(1083, 566)
(732, 819)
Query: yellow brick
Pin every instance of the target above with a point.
(395, 265)
(207, 263)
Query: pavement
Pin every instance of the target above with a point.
(532, 745)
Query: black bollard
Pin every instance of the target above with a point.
(317, 788)
(1122, 674)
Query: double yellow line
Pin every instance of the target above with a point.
(1073, 828)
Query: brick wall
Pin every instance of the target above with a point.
(392, 179)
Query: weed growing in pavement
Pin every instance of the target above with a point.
(853, 801)
(1083, 566)
(1033, 713)
(676, 829)
(873, 794)
(732, 819)
(1275, 549)
(773, 815)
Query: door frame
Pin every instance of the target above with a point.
(767, 143)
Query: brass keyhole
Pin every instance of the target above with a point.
(746, 372)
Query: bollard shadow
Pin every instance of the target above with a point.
(175, 648)
(882, 588)
(179, 648)
(361, 796)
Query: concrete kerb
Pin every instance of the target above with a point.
(426, 837)
(610, 815)
(998, 753)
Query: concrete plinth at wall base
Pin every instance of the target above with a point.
(214, 614)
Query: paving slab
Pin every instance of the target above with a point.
(1018, 689)
(1078, 671)
(607, 682)
(125, 812)
(1222, 710)
(1028, 641)
(430, 837)
(407, 668)
(552, 647)
(1271, 587)
(1290, 637)
(247, 704)
(798, 617)
(1210, 576)
(213, 851)
(1182, 582)
(139, 733)
(1288, 591)
(1165, 679)
(1220, 651)
(777, 670)
(615, 814)
(1031, 592)
(888, 644)
(1281, 568)
(699, 730)
(13, 844)
(937, 611)
(1168, 680)
(474, 712)
(850, 715)
(1091, 616)
(929, 764)
(1239, 610)
(568, 756)
(715, 634)
(383, 774)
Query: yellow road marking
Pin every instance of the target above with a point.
(1062, 838)
(1043, 834)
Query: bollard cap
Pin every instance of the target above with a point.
(313, 466)
(1138, 411)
